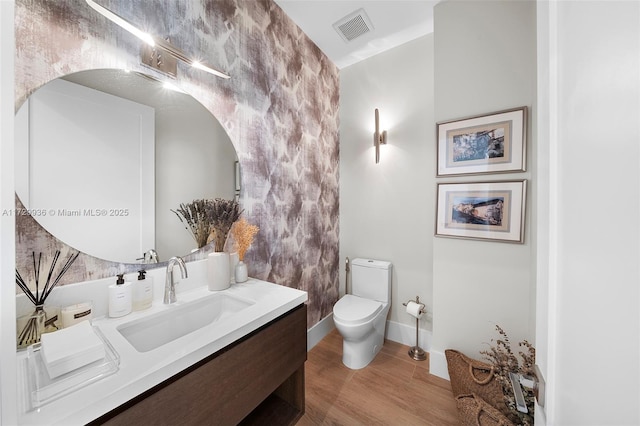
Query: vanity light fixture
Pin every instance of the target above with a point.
(119, 20)
(152, 41)
(379, 138)
(179, 54)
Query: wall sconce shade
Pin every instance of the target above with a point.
(378, 138)
(154, 42)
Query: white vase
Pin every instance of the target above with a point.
(233, 261)
(241, 272)
(218, 275)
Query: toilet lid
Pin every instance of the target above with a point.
(353, 309)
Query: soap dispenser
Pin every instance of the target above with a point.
(142, 292)
(119, 298)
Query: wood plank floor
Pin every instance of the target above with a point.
(392, 390)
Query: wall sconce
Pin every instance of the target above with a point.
(379, 138)
(155, 58)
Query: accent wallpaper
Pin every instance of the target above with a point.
(280, 109)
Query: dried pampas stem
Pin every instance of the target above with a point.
(243, 232)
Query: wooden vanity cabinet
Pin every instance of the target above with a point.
(258, 379)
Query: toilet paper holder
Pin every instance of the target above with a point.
(416, 351)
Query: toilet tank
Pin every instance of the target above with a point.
(371, 279)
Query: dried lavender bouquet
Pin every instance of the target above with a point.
(222, 214)
(194, 216)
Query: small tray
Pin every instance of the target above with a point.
(43, 389)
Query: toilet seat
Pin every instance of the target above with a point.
(354, 310)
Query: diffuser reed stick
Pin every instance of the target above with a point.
(35, 324)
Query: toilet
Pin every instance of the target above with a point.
(361, 317)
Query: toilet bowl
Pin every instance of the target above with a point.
(361, 322)
(361, 317)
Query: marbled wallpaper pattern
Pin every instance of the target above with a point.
(280, 109)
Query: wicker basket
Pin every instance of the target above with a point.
(470, 376)
(474, 411)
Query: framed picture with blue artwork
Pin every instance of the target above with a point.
(482, 210)
(491, 143)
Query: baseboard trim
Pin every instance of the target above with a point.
(396, 332)
(438, 364)
(319, 331)
(406, 335)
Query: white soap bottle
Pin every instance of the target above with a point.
(119, 298)
(142, 292)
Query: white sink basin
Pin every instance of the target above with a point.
(159, 329)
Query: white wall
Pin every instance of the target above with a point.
(546, 234)
(195, 159)
(7, 223)
(485, 61)
(592, 351)
(387, 209)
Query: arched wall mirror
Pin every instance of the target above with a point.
(104, 156)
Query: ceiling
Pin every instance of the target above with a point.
(393, 22)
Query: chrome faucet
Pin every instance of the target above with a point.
(151, 256)
(169, 285)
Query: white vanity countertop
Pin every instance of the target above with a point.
(139, 372)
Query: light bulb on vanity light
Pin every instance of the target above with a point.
(170, 86)
(378, 138)
(199, 65)
(119, 20)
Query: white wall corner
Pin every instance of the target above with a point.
(319, 331)
(438, 365)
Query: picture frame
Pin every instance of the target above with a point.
(490, 143)
(493, 211)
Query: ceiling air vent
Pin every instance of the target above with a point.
(353, 25)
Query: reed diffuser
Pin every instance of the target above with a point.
(35, 324)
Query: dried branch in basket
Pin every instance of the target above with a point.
(504, 361)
